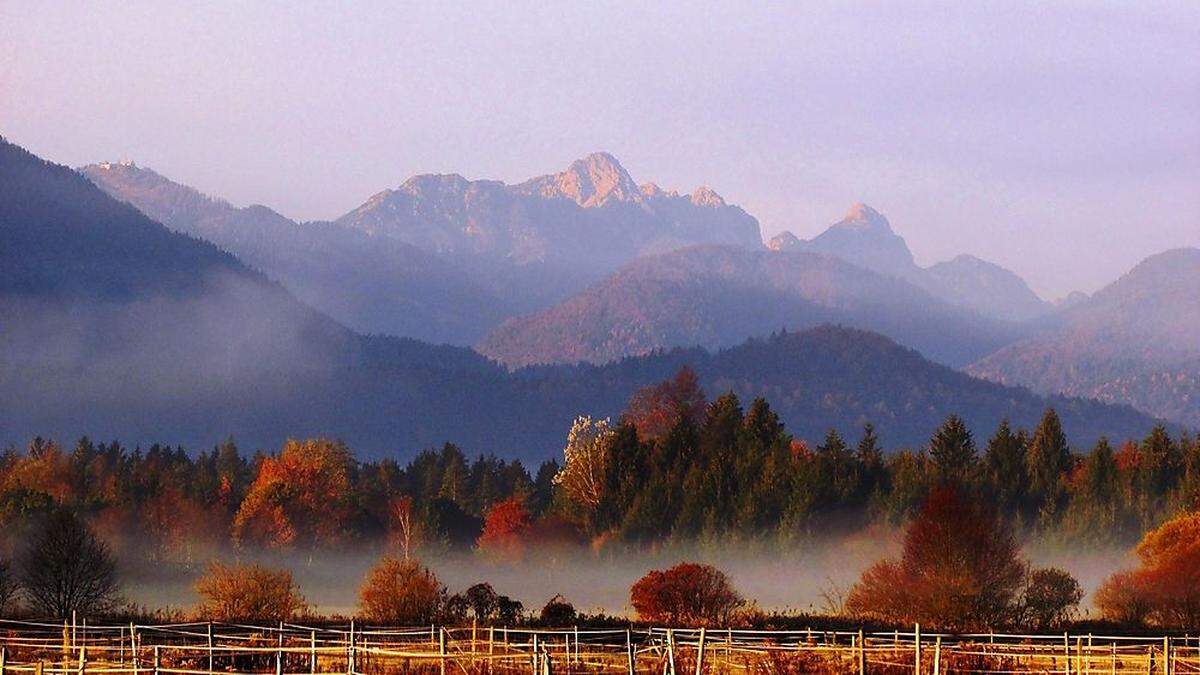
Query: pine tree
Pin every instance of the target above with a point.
(952, 449)
(1048, 459)
(1004, 462)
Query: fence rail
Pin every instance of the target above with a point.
(74, 648)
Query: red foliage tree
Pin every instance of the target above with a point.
(959, 569)
(506, 528)
(653, 410)
(688, 593)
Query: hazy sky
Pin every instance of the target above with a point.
(1062, 142)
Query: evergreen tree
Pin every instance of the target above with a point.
(952, 449)
(1048, 459)
(1004, 463)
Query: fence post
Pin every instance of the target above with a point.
(210, 647)
(442, 650)
(629, 650)
(40, 667)
(133, 650)
(534, 653)
(82, 659)
(862, 653)
(700, 653)
(1113, 670)
(670, 649)
(3, 658)
(312, 652)
(157, 660)
(1166, 655)
(917, 648)
(1067, 653)
(474, 631)
(350, 649)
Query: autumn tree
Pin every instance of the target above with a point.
(300, 497)
(688, 594)
(1165, 587)
(248, 592)
(67, 569)
(959, 569)
(585, 463)
(401, 592)
(506, 529)
(653, 410)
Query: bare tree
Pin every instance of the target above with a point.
(66, 568)
(8, 585)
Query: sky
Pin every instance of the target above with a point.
(1061, 140)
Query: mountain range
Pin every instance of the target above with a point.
(865, 238)
(1135, 341)
(118, 327)
(718, 296)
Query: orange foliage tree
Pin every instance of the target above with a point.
(300, 497)
(248, 592)
(959, 569)
(1165, 588)
(688, 593)
(401, 593)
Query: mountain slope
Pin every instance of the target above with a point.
(1134, 341)
(865, 238)
(717, 296)
(372, 284)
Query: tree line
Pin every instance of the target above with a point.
(674, 467)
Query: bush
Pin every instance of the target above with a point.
(67, 569)
(248, 592)
(557, 612)
(402, 592)
(688, 593)
(1050, 598)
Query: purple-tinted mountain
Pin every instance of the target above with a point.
(865, 237)
(718, 296)
(539, 241)
(371, 284)
(1134, 341)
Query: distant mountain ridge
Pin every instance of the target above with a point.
(373, 284)
(1134, 341)
(718, 296)
(117, 327)
(865, 237)
(592, 215)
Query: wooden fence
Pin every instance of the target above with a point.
(31, 648)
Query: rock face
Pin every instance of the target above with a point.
(1134, 341)
(371, 284)
(592, 216)
(865, 238)
(717, 296)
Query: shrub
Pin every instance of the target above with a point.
(402, 592)
(1050, 598)
(688, 593)
(248, 592)
(959, 569)
(557, 612)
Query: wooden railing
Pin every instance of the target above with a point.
(76, 648)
